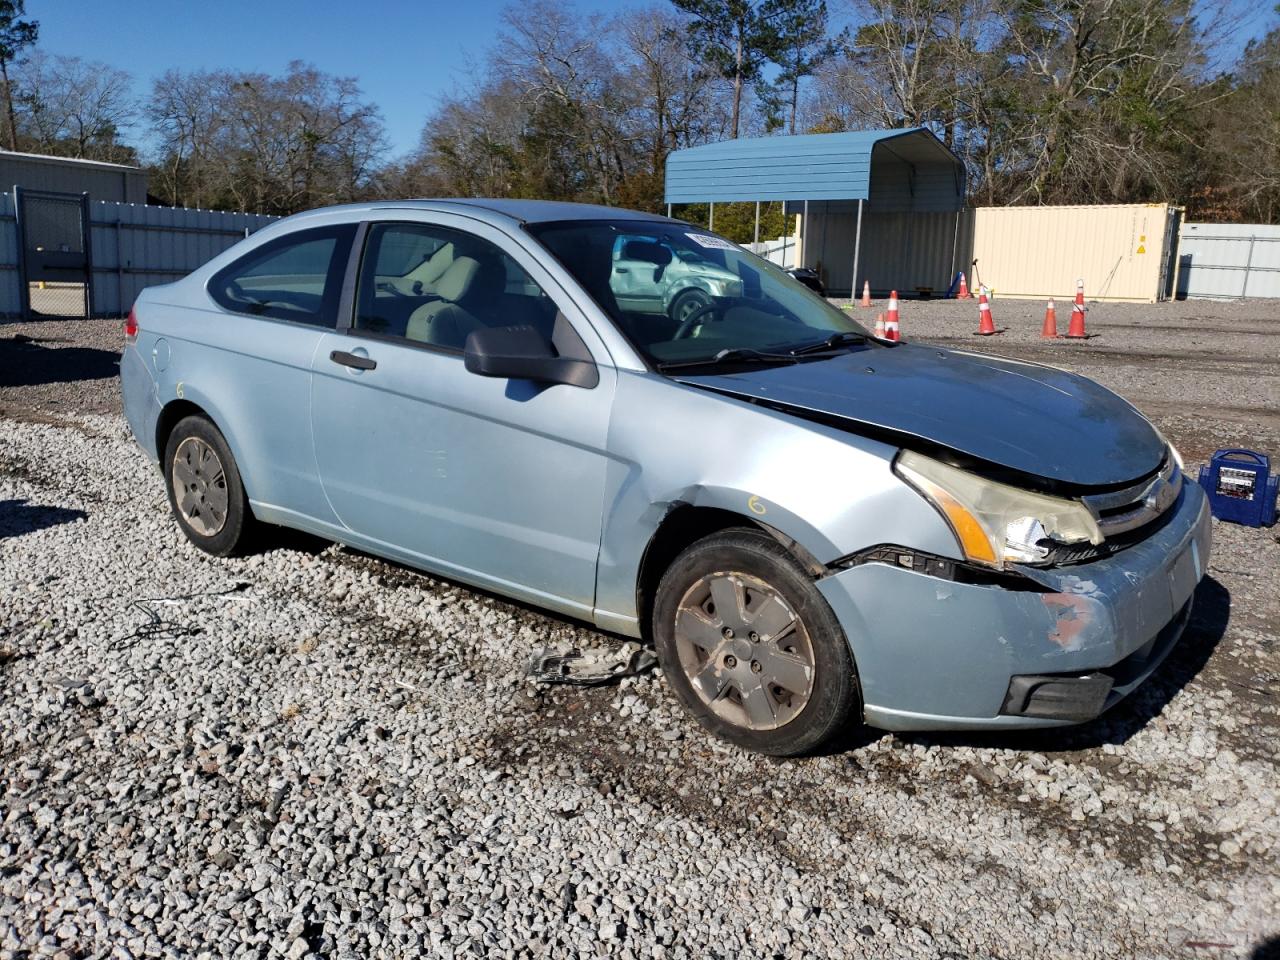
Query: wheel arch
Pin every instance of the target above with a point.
(173, 412)
(685, 524)
(171, 415)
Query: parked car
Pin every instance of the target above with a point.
(811, 524)
(655, 276)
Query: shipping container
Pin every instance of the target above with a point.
(1121, 252)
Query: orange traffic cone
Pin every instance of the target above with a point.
(1075, 329)
(987, 326)
(1050, 330)
(964, 293)
(880, 331)
(866, 294)
(891, 319)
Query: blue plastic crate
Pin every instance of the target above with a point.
(1241, 487)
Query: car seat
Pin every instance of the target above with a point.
(465, 292)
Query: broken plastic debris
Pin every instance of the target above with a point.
(591, 667)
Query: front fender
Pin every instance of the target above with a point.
(831, 492)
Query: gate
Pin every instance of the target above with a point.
(54, 265)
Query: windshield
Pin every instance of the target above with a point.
(682, 295)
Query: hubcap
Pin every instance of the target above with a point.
(689, 306)
(200, 486)
(744, 651)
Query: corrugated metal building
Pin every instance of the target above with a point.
(112, 182)
(882, 205)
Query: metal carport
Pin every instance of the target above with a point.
(883, 202)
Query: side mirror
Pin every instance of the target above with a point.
(522, 353)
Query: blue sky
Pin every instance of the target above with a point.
(406, 54)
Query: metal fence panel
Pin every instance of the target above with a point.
(1228, 260)
(137, 246)
(10, 278)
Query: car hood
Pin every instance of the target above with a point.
(1023, 416)
(708, 270)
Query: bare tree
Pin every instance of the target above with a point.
(75, 107)
(1110, 86)
(184, 115)
(672, 103)
(268, 144)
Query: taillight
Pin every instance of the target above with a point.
(131, 326)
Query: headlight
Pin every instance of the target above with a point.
(996, 524)
(725, 288)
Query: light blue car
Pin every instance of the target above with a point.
(810, 524)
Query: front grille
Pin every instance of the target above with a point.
(1125, 517)
(1134, 508)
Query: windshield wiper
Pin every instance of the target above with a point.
(835, 340)
(732, 355)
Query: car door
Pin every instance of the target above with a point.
(252, 367)
(636, 284)
(498, 482)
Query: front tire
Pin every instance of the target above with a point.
(206, 494)
(687, 303)
(750, 647)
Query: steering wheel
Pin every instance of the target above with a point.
(691, 321)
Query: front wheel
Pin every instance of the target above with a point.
(751, 648)
(205, 491)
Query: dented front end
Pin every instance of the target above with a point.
(1045, 646)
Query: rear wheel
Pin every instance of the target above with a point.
(205, 491)
(750, 647)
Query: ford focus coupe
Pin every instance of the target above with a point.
(632, 421)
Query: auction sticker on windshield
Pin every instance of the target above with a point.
(715, 243)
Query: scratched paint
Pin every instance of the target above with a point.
(1072, 614)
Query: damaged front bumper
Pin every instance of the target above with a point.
(936, 654)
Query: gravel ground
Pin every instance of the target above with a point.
(311, 752)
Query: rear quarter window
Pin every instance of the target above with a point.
(297, 277)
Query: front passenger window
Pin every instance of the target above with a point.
(433, 285)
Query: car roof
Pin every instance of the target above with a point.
(491, 209)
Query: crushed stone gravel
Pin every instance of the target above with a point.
(310, 752)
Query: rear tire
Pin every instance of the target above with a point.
(206, 494)
(751, 648)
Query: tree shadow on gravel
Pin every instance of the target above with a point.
(26, 362)
(21, 516)
(1208, 624)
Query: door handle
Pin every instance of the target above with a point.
(352, 360)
